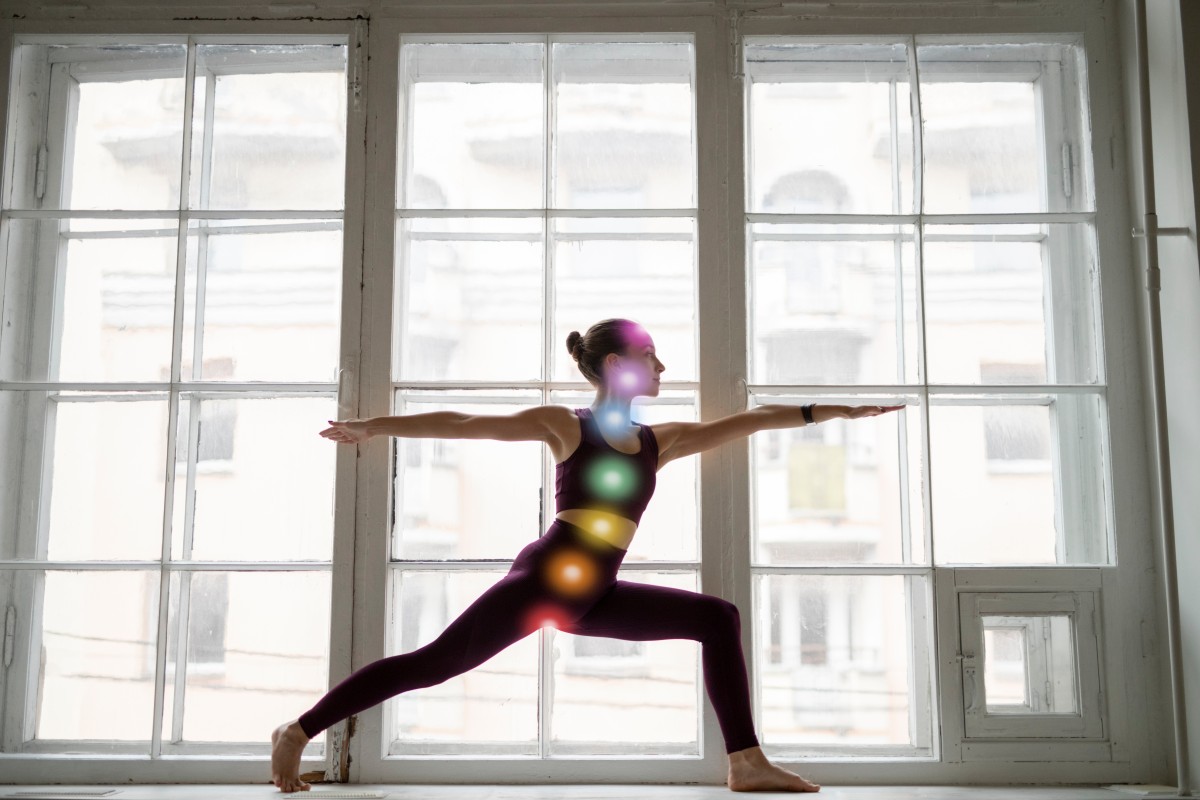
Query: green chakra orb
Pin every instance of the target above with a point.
(611, 478)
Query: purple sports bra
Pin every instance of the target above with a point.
(598, 476)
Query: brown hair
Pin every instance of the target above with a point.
(589, 350)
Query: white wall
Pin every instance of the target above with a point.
(1175, 113)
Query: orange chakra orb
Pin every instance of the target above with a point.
(571, 573)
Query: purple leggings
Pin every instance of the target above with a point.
(566, 578)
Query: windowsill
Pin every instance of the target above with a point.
(563, 791)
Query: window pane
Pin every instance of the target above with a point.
(625, 697)
(269, 127)
(830, 128)
(105, 482)
(242, 661)
(639, 269)
(1003, 129)
(87, 299)
(1019, 480)
(468, 299)
(623, 134)
(1010, 304)
(842, 492)
(464, 498)
(493, 706)
(844, 664)
(114, 127)
(262, 485)
(264, 297)
(833, 304)
(1029, 664)
(472, 129)
(95, 675)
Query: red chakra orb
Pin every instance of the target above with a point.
(546, 615)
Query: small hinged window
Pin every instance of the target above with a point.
(1029, 665)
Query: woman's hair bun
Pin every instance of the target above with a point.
(574, 342)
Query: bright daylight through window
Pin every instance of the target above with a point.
(541, 180)
(173, 250)
(919, 229)
(949, 266)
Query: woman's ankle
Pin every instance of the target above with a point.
(749, 755)
(295, 729)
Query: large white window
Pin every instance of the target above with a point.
(947, 265)
(214, 239)
(171, 326)
(543, 183)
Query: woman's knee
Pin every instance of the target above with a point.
(726, 614)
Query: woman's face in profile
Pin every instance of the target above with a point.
(640, 368)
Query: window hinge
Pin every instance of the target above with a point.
(1067, 177)
(356, 63)
(10, 627)
(735, 45)
(39, 172)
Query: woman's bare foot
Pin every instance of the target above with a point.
(750, 771)
(287, 743)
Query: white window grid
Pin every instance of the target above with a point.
(75, 64)
(1095, 40)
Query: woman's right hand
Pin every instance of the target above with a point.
(351, 431)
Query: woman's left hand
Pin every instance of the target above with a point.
(857, 412)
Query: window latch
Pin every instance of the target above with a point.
(10, 627)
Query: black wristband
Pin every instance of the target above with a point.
(808, 409)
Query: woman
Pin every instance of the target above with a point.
(606, 466)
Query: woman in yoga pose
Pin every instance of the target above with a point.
(606, 466)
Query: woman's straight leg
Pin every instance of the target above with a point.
(491, 623)
(556, 579)
(641, 612)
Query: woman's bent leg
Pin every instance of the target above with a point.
(641, 612)
(496, 619)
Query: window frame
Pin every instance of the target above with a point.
(43, 761)
(1127, 673)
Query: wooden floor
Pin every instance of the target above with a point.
(563, 792)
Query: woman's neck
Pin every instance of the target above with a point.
(612, 414)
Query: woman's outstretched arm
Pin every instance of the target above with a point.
(787, 416)
(538, 424)
(433, 425)
(679, 439)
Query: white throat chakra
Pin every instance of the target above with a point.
(614, 420)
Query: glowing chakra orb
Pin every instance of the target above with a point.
(571, 573)
(545, 615)
(611, 478)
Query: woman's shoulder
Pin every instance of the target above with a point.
(563, 419)
(650, 434)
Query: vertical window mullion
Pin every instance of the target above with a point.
(931, 661)
(545, 656)
(160, 656)
(204, 187)
(919, 266)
